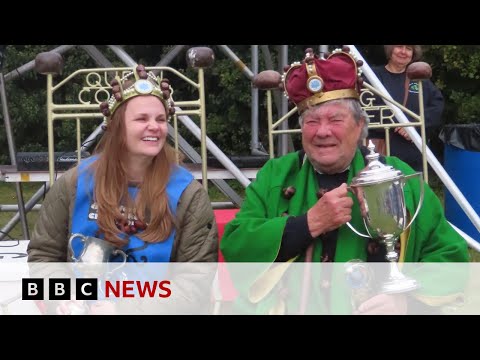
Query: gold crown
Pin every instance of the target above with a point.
(135, 83)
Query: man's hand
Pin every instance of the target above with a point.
(403, 133)
(330, 212)
(384, 304)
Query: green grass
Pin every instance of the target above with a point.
(437, 186)
(8, 196)
(216, 195)
(474, 256)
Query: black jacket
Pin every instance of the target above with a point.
(433, 106)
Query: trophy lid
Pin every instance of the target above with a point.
(375, 172)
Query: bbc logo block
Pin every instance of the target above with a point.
(59, 289)
(32, 289)
(86, 289)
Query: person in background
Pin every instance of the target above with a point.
(393, 76)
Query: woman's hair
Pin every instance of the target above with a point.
(417, 51)
(111, 186)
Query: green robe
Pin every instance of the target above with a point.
(256, 232)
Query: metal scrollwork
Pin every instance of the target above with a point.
(366, 98)
(96, 89)
(383, 113)
(96, 81)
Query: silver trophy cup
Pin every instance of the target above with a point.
(96, 255)
(379, 190)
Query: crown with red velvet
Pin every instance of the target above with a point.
(315, 80)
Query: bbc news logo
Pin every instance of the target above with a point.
(87, 289)
(59, 289)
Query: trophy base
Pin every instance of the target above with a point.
(396, 286)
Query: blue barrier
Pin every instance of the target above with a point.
(463, 166)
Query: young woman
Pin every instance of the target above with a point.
(131, 193)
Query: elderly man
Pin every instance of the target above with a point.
(299, 205)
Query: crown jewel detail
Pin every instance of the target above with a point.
(135, 83)
(316, 80)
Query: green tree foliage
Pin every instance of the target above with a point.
(228, 107)
(456, 69)
(26, 100)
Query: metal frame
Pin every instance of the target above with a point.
(11, 150)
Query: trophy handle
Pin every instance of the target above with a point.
(422, 193)
(356, 231)
(122, 264)
(349, 188)
(82, 238)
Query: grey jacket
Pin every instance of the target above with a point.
(196, 238)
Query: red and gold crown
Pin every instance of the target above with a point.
(314, 80)
(135, 83)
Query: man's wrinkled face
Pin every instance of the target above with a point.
(330, 136)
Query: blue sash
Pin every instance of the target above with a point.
(85, 215)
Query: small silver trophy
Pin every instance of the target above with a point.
(96, 255)
(379, 190)
(93, 261)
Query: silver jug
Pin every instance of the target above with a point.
(379, 191)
